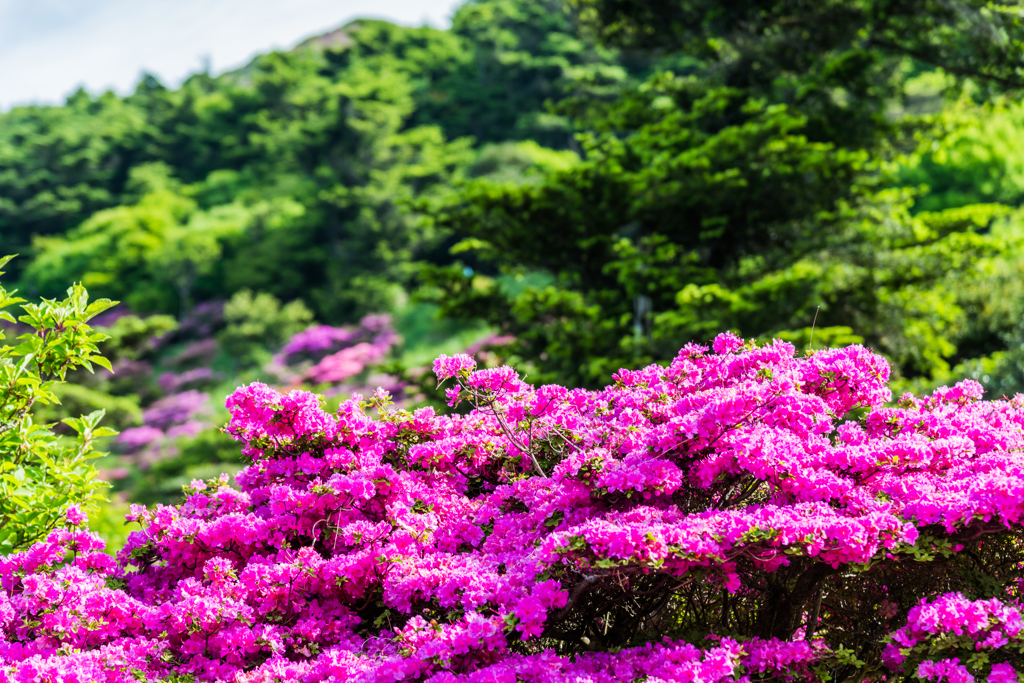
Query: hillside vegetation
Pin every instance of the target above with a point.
(713, 293)
(571, 188)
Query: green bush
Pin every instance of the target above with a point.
(43, 475)
(257, 322)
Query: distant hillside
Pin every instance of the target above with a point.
(298, 174)
(337, 39)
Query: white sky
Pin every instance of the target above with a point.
(50, 47)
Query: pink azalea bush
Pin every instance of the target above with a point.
(184, 414)
(742, 514)
(322, 354)
(346, 363)
(981, 632)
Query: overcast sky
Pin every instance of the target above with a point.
(50, 47)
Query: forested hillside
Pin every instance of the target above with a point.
(292, 174)
(586, 341)
(572, 188)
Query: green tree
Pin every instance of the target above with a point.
(750, 189)
(289, 176)
(518, 58)
(308, 160)
(58, 165)
(151, 250)
(981, 159)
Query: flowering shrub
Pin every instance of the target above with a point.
(202, 351)
(171, 438)
(979, 631)
(171, 382)
(741, 514)
(346, 363)
(323, 354)
(319, 339)
(337, 353)
(167, 418)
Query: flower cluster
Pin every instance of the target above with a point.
(954, 625)
(609, 525)
(318, 340)
(346, 363)
(328, 355)
(176, 409)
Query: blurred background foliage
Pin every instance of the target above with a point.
(572, 187)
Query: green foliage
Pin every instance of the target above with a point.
(161, 243)
(129, 336)
(688, 226)
(519, 55)
(58, 165)
(294, 175)
(41, 473)
(205, 456)
(108, 521)
(981, 159)
(848, 44)
(77, 399)
(990, 345)
(519, 161)
(258, 322)
(752, 187)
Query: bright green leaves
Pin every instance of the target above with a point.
(684, 227)
(43, 473)
(161, 243)
(62, 164)
(258, 323)
(62, 340)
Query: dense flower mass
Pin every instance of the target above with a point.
(553, 534)
(329, 355)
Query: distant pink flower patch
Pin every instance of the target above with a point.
(187, 429)
(176, 409)
(139, 436)
(345, 363)
(318, 338)
(171, 382)
(202, 351)
(336, 353)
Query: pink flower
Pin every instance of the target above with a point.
(139, 436)
(451, 366)
(1002, 673)
(727, 342)
(345, 363)
(949, 670)
(75, 516)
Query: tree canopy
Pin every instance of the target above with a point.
(296, 169)
(760, 179)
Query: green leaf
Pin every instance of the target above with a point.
(97, 307)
